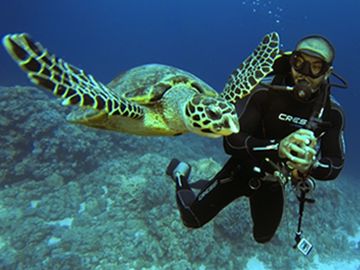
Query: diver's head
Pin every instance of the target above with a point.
(311, 62)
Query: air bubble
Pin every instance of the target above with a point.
(269, 8)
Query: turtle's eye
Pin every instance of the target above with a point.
(213, 112)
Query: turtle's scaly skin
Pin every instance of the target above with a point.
(147, 100)
(255, 68)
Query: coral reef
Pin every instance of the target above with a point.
(76, 198)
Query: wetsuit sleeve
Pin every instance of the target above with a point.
(332, 149)
(245, 144)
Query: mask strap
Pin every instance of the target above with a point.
(344, 83)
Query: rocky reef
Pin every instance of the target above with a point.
(73, 197)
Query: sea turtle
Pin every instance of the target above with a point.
(151, 99)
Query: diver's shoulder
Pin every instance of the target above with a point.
(335, 104)
(336, 110)
(260, 92)
(258, 96)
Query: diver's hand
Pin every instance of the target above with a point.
(299, 148)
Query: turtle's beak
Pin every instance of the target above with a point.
(234, 124)
(231, 125)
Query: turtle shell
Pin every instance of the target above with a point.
(147, 84)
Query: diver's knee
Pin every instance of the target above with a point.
(191, 225)
(185, 197)
(189, 219)
(262, 239)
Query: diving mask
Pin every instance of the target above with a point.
(312, 69)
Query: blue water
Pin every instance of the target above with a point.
(206, 37)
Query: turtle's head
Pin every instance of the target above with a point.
(211, 116)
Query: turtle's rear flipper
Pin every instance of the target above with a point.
(66, 81)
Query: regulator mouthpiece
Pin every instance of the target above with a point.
(303, 90)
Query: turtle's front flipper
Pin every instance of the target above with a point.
(66, 81)
(256, 67)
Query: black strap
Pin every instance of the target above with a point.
(302, 200)
(344, 84)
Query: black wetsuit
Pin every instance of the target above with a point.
(268, 117)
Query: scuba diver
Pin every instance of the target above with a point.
(291, 126)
